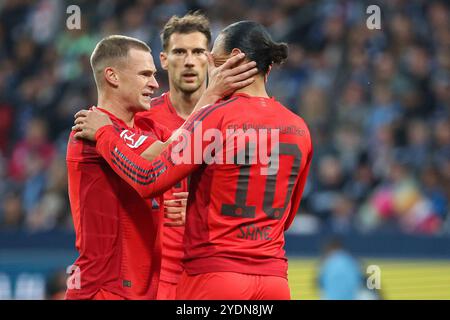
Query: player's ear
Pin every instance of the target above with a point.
(235, 52)
(111, 76)
(163, 60)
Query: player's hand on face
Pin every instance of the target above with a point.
(87, 122)
(230, 76)
(175, 210)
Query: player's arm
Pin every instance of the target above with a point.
(297, 193)
(148, 178)
(138, 142)
(92, 125)
(229, 77)
(151, 178)
(174, 209)
(154, 150)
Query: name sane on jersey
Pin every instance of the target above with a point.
(253, 232)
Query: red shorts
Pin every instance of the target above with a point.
(106, 295)
(232, 286)
(166, 290)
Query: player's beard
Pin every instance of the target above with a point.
(188, 88)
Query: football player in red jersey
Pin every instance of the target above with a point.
(117, 234)
(237, 211)
(185, 41)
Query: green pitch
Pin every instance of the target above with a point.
(400, 279)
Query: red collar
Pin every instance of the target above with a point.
(169, 103)
(113, 117)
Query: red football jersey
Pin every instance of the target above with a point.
(237, 210)
(117, 231)
(163, 113)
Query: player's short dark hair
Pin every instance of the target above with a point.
(191, 22)
(111, 49)
(253, 39)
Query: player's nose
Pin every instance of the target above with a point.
(153, 83)
(189, 60)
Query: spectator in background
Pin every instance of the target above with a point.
(313, 106)
(352, 109)
(383, 112)
(441, 90)
(33, 154)
(51, 211)
(399, 202)
(343, 212)
(364, 93)
(433, 187)
(30, 159)
(11, 212)
(340, 276)
(6, 120)
(348, 140)
(362, 181)
(56, 285)
(134, 24)
(330, 184)
(73, 45)
(441, 132)
(417, 149)
(381, 150)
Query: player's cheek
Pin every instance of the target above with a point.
(204, 64)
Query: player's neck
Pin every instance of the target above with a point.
(256, 89)
(184, 103)
(116, 107)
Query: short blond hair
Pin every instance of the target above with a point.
(111, 49)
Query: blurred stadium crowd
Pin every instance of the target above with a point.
(377, 102)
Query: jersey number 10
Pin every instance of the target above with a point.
(240, 209)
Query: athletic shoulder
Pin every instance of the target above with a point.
(80, 150)
(296, 123)
(144, 121)
(217, 109)
(158, 102)
(292, 117)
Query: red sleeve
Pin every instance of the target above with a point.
(155, 177)
(143, 121)
(138, 142)
(297, 193)
(163, 132)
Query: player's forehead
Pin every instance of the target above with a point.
(140, 59)
(191, 40)
(218, 48)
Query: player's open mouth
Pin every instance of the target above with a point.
(189, 77)
(147, 95)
